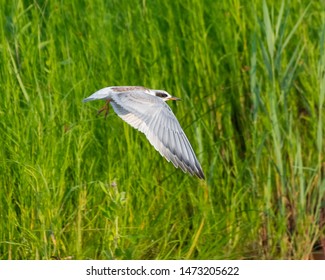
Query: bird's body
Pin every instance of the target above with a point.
(145, 109)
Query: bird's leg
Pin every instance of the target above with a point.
(105, 108)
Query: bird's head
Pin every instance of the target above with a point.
(164, 95)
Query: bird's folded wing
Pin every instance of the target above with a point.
(155, 119)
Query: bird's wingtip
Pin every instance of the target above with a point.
(200, 174)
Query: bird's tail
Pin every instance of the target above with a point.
(103, 93)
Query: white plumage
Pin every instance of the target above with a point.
(145, 110)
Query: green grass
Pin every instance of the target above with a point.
(76, 185)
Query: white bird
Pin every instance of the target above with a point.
(145, 110)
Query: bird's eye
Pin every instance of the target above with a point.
(160, 94)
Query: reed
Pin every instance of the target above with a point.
(76, 185)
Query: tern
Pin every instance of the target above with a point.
(145, 110)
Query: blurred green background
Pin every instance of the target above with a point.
(250, 74)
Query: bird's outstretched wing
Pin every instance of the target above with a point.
(153, 117)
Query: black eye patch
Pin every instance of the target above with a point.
(160, 94)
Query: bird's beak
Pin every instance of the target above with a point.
(174, 98)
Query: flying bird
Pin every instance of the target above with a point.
(145, 109)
